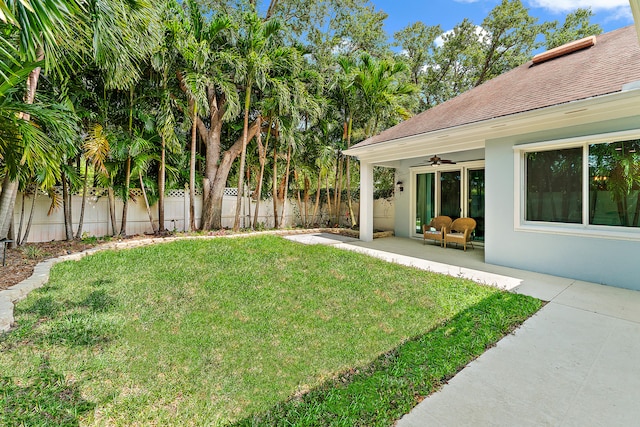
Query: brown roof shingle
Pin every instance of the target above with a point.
(598, 70)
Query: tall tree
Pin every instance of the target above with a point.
(207, 73)
(418, 43)
(509, 38)
(576, 25)
(42, 32)
(257, 47)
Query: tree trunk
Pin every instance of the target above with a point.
(307, 184)
(127, 172)
(296, 176)
(243, 156)
(112, 210)
(84, 200)
(11, 236)
(28, 228)
(285, 192)
(161, 185)
(338, 200)
(19, 233)
(349, 197)
(275, 185)
(262, 157)
(212, 195)
(212, 211)
(192, 172)
(316, 206)
(125, 201)
(66, 206)
(328, 197)
(146, 203)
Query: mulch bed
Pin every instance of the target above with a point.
(21, 260)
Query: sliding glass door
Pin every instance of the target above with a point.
(450, 194)
(455, 191)
(476, 200)
(426, 199)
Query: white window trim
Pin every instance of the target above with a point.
(584, 229)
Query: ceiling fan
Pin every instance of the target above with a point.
(436, 161)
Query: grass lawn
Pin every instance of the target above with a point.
(248, 331)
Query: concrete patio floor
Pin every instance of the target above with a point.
(571, 364)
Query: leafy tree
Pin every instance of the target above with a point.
(259, 52)
(576, 26)
(507, 41)
(418, 43)
(41, 33)
(206, 77)
(454, 64)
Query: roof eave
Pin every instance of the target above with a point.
(473, 135)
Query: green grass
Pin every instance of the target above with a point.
(251, 331)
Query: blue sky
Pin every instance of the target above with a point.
(610, 14)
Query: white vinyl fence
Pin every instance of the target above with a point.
(97, 222)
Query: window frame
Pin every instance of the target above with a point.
(581, 229)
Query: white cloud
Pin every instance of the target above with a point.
(481, 32)
(570, 5)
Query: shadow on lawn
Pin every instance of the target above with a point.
(45, 400)
(382, 392)
(82, 323)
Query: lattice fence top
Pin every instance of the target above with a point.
(135, 192)
(230, 191)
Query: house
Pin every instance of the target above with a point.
(545, 157)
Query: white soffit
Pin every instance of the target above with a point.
(473, 136)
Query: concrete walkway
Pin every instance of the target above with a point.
(574, 363)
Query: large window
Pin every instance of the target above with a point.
(614, 184)
(554, 186)
(589, 184)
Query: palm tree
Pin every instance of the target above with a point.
(41, 32)
(256, 47)
(96, 151)
(164, 63)
(205, 77)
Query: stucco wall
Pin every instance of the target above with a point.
(601, 260)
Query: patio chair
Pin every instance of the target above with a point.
(460, 232)
(435, 229)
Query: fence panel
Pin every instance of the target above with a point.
(97, 222)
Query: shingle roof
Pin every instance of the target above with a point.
(599, 70)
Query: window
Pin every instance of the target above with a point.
(554, 186)
(614, 184)
(588, 185)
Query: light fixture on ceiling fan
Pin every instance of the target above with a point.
(437, 161)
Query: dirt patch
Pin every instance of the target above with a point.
(21, 261)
